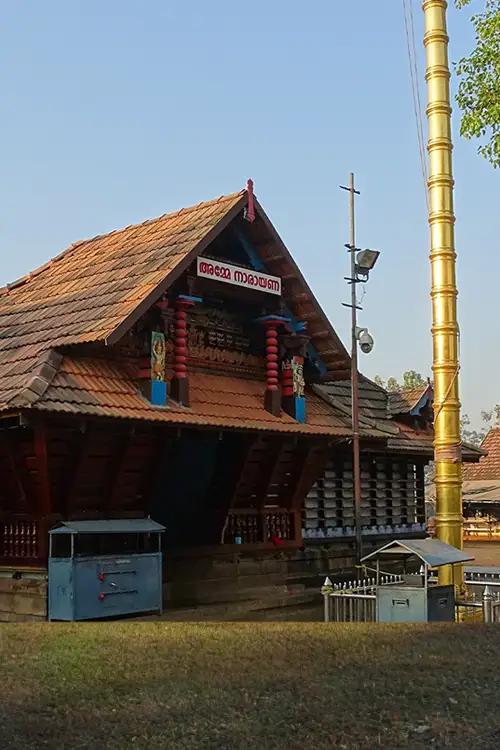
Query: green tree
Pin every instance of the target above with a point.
(411, 379)
(478, 93)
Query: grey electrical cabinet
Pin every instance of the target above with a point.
(104, 568)
(415, 603)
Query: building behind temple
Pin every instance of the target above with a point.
(182, 369)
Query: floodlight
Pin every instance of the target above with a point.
(365, 260)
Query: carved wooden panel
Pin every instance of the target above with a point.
(221, 340)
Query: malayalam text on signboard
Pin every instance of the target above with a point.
(229, 274)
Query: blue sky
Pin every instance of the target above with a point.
(119, 111)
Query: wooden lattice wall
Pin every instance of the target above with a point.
(392, 494)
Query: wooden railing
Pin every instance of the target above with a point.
(251, 526)
(23, 539)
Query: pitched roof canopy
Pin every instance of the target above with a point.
(97, 387)
(488, 466)
(96, 289)
(432, 552)
(409, 400)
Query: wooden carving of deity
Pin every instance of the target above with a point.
(298, 376)
(158, 350)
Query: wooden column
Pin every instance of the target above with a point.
(272, 398)
(44, 495)
(117, 466)
(80, 449)
(180, 381)
(15, 467)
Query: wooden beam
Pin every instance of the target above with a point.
(340, 375)
(276, 450)
(334, 363)
(323, 334)
(298, 297)
(117, 464)
(263, 244)
(254, 444)
(272, 258)
(79, 455)
(325, 353)
(42, 467)
(160, 438)
(268, 477)
(308, 315)
(15, 467)
(44, 495)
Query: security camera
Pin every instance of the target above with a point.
(365, 340)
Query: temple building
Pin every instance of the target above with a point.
(481, 493)
(182, 369)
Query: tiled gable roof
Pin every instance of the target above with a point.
(92, 386)
(488, 466)
(86, 292)
(403, 402)
(372, 397)
(96, 289)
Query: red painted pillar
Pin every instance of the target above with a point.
(272, 399)
(180, 380)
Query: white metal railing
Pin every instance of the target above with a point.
(483, 606)
(491, 605)
(353, 601)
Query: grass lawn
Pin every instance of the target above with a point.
(292, 686)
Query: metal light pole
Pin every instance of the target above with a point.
(362, 261)
(356, 469)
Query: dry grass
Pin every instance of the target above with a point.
(231, 686)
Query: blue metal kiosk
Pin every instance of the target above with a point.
(104, 568)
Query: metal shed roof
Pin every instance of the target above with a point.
(431, 551)
(109, 526)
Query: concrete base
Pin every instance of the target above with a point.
(23, 598)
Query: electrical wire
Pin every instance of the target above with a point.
(409, 24)
(362, 296)
(414, 78)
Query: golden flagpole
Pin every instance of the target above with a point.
(445, 333)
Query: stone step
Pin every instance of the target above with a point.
(193, 570)
(301, 612)
(234, 611)
(209, 592)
